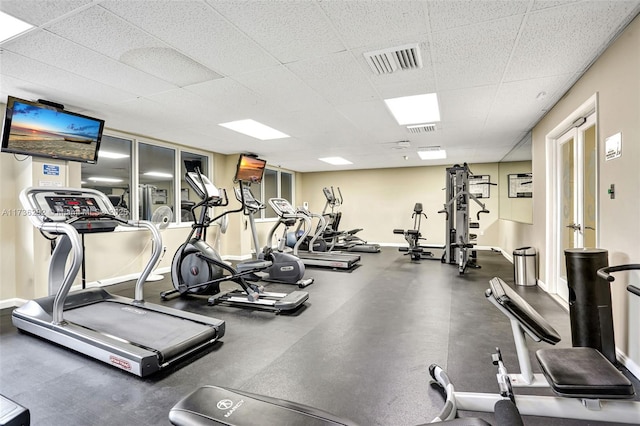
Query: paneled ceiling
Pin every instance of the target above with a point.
(174, 70)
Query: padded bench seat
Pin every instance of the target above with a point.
(583, 373)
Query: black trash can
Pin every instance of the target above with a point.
(590, 301)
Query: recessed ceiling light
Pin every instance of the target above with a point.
(159, 174)
(104, 179)
(336, 161)
(433, 154)
(114, 155)
(417, 109)
(254, 129)
(10, 26)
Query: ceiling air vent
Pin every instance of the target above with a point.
(422, 128)
(387, 61)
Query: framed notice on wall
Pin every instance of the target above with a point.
(521, 185)
(479, 185)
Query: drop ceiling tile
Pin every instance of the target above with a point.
(288, 30)
(51, 49)
(464, 105)
(574, 36)
(372, 118)
(365, 23)
(337, 78)
(446, 14)
(282, 87)
(38, 12)
(58, 80)
(103, 32)
(475, 55)
(237, 101)
(196, 30)
(523, 102)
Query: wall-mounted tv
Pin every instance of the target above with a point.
(45, 130)
(250, 169)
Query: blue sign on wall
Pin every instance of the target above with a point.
(50, 170)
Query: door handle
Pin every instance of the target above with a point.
(590, 227)
(575, 227)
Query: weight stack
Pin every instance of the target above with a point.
(590, 301)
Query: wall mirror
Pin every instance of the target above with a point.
(516, 183)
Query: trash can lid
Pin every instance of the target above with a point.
(525, 251)
(584, 252)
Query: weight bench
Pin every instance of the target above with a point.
(214, 405)
(588, 386)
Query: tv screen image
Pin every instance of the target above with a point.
(250, 169)
(33, 128)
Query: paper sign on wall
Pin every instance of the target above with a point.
(613, 146)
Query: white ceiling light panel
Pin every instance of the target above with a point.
(417, 109)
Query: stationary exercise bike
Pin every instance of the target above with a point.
(197, 269)
(413, 237)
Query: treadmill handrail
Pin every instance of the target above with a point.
(37, 215)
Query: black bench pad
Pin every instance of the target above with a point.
(524, 312)
(583, 373)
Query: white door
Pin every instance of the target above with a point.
(577, 161)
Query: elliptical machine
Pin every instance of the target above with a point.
(197, 269)
(285, 267)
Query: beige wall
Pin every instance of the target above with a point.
(380, 201)
(614, 78)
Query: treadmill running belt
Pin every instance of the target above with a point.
(164, 333)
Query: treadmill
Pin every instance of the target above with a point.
(131, 334)
(338, 261)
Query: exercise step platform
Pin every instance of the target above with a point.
(582, 372)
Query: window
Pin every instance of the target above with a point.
(155, 181)
(188, 197)
(275, 184)
(112, 173)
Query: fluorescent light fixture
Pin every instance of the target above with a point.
(10, 26)
(433, 154)
(114, 155)
(416, 109)
(336, 161)
(254, 129)
(105, 179)
(158, 174)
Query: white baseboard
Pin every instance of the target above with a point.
(12, 303)
(628, 363)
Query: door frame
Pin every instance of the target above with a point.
(553, 201)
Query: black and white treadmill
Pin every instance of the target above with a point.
(340, 261)
(138, 337)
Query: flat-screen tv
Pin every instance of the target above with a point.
(250, 169)
(43, 130)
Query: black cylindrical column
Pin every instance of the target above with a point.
(590, 301)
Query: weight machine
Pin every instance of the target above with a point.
(413, 237)
(458, 240)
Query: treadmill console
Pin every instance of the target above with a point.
(84, 210)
